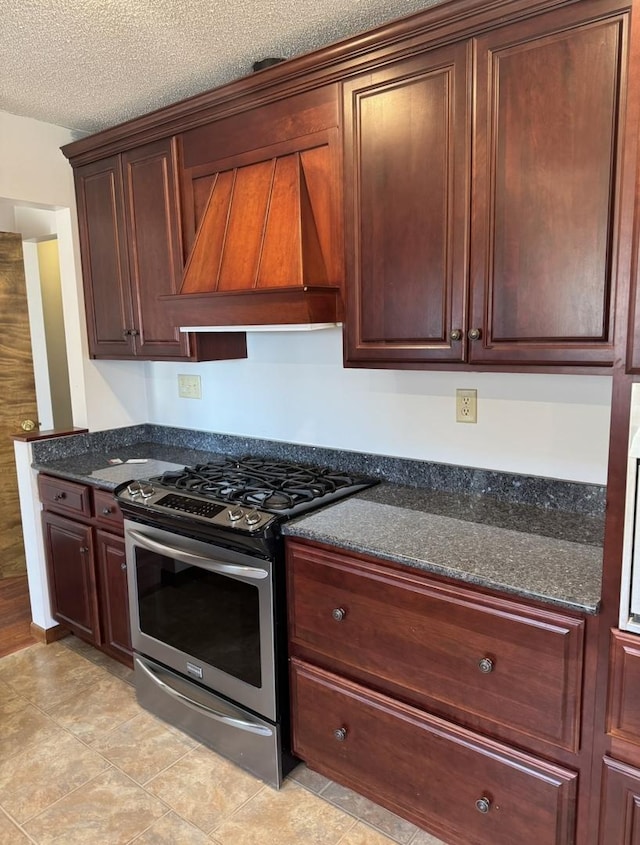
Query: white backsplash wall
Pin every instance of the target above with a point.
(294, 388)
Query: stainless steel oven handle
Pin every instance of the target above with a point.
(241, 724)
(212, 565)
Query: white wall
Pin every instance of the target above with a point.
(293, 387)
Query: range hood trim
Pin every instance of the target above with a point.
(257, 307)
(257, 327)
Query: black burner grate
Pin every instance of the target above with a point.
(258, 482)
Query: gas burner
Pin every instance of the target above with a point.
(274, 486)
(237, 501)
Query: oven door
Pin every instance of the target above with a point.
(205, 611)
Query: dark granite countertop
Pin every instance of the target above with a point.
(93, 467)
(534, 537)
(543, 554)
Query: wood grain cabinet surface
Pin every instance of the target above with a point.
(438, 701)
(70, 556)
(489, 662)
(114, 598)
(620, 820)
(482, 205)
(623, 713)
(462, 787)
(85, 556)
(131, 250)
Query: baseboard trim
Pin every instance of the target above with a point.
(48, 635)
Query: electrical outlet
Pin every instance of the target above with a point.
(466, 405)
(189, 387)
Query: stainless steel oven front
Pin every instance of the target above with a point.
(205, 611)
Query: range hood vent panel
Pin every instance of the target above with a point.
(266, 225)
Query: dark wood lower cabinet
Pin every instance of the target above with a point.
(71, 570)
(458, 785)
(620, 820)
(114, 600)
(85, 554)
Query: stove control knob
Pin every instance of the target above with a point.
(235, 514)
(146, 491)
(252, 518)
(134, 489)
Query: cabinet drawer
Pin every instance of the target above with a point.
(461, 787)
(107, 510)
(490, 661)
(623, 718)
(57, 494)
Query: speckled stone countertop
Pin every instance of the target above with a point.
(537, 553)
(536, 537)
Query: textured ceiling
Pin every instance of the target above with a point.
(89, 64)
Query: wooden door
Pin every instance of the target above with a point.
(105, 267)
(549, 103)
(72, 584)
(155, 250)
(17, 387)
(114, 599)
(407, 141)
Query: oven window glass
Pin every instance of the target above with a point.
(214, 618)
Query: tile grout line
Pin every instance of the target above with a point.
(236, 810)
(14, 821)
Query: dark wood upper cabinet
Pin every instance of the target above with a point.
(522, 272)
(548, 110)
(132, 254)
(407, 141)
(105, 266)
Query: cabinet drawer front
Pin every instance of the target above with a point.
(623, 721)
(494, 661)
(64, 496)
(107, 509)
(458, 785)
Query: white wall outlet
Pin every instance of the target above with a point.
(189, 387)
(466, 405)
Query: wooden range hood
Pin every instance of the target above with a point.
(265, 251)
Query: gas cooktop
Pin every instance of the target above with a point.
(245, 495)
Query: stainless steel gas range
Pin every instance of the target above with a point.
(206, 585)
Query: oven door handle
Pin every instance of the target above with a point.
(256, 573)
(241, 724)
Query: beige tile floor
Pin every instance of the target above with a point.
(82, 763)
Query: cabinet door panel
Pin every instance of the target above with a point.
(620, 820)
(114, 599)
(155, 253)
(544, 189)
(406, 160)
(70, 567)
(426, 769)
(103, 249)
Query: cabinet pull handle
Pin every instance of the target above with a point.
(485, 665)
(59, 496)
(84, 549)
(474, 334)
(340, 734)
(106, 511)
(123, 566)
(338, 613)
(483, 805)
(456, 334)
